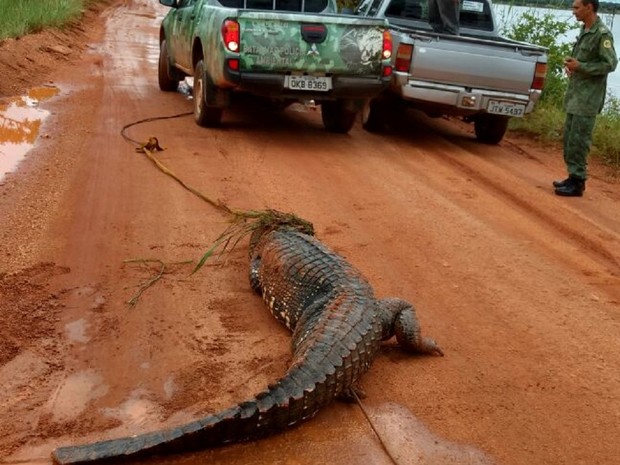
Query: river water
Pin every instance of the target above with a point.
(506, 15)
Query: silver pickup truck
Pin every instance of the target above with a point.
(478, 75)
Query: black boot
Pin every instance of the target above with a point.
(561, 183)
(573, 187)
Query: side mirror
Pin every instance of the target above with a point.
(170, 3)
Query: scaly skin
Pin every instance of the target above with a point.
(337, 326)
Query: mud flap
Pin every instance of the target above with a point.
(214, 96)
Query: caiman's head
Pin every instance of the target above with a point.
(258, 224)
(272, 220)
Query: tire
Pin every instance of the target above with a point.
(373, 116)
(337, 116)
(490, 129)
(164, 74)
(205, 115)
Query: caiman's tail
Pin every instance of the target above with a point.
(298, 396)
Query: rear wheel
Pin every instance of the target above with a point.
(167, 82)
(205, 115)
(373, 116)
(490, 129)
(338, 116)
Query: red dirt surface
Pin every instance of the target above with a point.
(520, 288)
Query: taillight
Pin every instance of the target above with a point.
(387, 71)
(230, 34)
(403, 57)
(233, 64)
(387, 45)
(539, 76)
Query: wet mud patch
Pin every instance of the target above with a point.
(28, 309)
(194, 386)
(89, 421)
(30, 350)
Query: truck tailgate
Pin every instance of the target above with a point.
(467, 63)
(276, 43)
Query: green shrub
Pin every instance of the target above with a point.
(546, 122)
(607, 133)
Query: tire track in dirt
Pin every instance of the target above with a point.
(579, 237)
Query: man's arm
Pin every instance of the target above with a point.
(606, 63)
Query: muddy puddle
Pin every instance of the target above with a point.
(20, 125)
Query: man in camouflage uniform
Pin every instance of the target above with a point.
(593, 58)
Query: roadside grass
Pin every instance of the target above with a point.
(20, 17)
(546, 124)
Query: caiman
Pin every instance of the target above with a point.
(337, 324)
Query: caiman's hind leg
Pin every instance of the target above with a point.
(399, 319)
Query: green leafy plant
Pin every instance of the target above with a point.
(607, 133)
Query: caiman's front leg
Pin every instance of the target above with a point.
(399, 319)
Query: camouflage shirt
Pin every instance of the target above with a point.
(597, 58)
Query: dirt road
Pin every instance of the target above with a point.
(520, 288)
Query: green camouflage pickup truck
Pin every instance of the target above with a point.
(285, 50)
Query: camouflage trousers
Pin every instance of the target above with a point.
(577, 142)
(443, 15)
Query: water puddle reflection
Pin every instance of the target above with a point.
(20, 123)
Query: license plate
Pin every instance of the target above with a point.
(498, 107)
(311, 83)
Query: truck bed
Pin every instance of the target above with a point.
(350, 46)
(465, 61)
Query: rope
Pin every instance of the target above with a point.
(152, 145)
(148, 120)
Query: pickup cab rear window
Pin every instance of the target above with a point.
(475, 14)
(309, 6)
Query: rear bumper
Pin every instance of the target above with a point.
(272, 85)
(461, 100)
